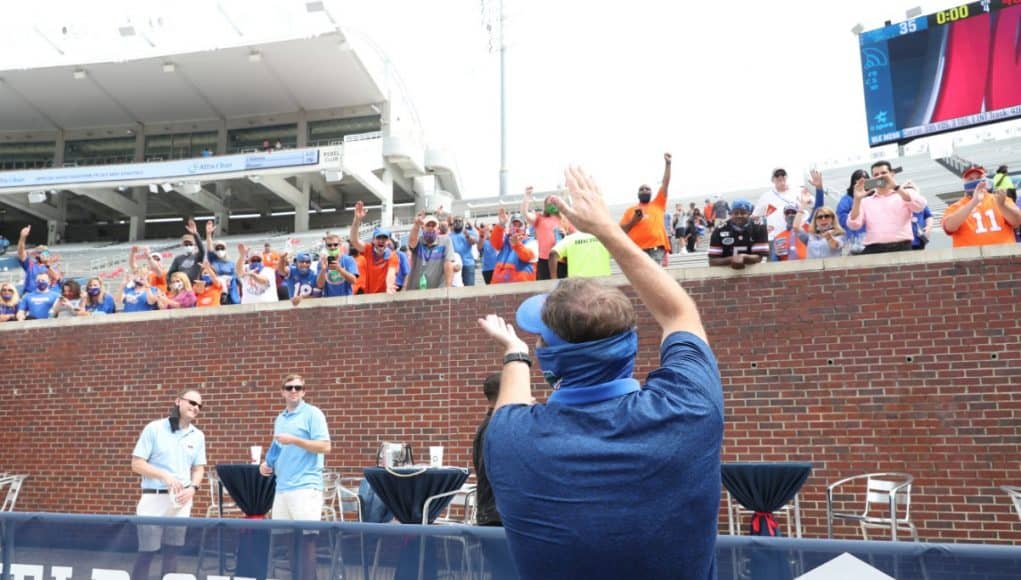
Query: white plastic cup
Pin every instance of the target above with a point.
(256, 451)
(436, 456)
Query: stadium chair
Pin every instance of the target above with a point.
(1015, 496)
(885, 494)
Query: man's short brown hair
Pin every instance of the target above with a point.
(290, 377)
(583, 310)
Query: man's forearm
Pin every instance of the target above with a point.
(314, 446)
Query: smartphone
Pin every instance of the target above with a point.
(331, 259)
(875, 183)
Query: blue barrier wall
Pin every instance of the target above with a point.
(65, 547)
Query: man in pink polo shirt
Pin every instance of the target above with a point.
(885, 212)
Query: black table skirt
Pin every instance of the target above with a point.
(764, 488)
(405, 496)
(252, 492)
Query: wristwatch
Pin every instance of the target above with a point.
(517, 357)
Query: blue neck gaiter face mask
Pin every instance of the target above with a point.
(590, 372)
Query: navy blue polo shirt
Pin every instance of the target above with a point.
(623, 488)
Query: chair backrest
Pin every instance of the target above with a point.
(466, 501)
(350, 504)
(878, 493)
(13, 489)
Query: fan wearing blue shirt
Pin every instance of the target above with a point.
(463, 237)
(487, 252)
(38, 303)
(609, 478)
(300, 279)
(137, 296)
(337, 270)
(36, 264)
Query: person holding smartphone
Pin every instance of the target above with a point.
(643, 223)
(983, 217)
(886, 211)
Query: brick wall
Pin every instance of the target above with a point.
(904, 362)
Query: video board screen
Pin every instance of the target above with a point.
(950, 70)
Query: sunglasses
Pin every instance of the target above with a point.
(193, 403)
(293, 387)
(825, 215)
(332, 245)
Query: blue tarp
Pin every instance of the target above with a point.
(62, 547)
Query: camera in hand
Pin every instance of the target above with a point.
(874, 183)
(331, 259)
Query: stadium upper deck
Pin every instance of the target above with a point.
(289, 131)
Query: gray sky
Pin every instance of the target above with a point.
(731, 89)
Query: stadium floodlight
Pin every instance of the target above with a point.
(858, 29)
(189, 188)
(153, 188)
(255, 178)
(255, 56)
(167, 187)
(128, 30)
(78, 74)
(315, 7)
(169, 67)
(37, 197)
(913, 12)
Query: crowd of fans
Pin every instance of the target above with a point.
(876, 215)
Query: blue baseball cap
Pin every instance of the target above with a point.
(742, 204)
(380, 233)
(529, 318)
(303, 257)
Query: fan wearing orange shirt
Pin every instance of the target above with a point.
(269, 257)
(207, 288)
(157, 276)
(377, 263)
(982, 217)
(643, 223)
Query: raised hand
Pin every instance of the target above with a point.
(859, 188)
(528, 193)
(210, 227)
(420, 218)
(815, 178)
(242, 250)
(502, 216)
(668, 158)
(360, 211)
(807, 198)
(587, 211)
(191, 228)
(502, 333)
(25, 231)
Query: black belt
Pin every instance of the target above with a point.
(146, 490)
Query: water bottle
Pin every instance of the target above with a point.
(423, 284)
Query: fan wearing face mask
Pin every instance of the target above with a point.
(137, 295)
(432, 264)
(8, 302)
(97, 300)
(38, 303)
(643, 223)
(258, 283)
(739, 242)
(179, 293)
(378, 263)
(223, 267)
(190, 262)
(207, 288)
(40, 262)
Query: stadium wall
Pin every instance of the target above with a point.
(897, 362)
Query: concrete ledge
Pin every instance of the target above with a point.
(877, 261)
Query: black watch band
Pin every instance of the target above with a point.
(517, 357)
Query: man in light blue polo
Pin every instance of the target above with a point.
(171, 457)
(300, 441)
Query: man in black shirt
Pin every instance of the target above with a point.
(190, 262)
(738, 241)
